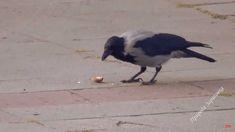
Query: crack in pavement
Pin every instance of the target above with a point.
(213, 15)
(213, 3)
(116, 86)
(146, 114)
(186, 5)
(120, 123)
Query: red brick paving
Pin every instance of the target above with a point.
(31, 99)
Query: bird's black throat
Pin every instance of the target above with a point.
(119, 53)
(123, 57)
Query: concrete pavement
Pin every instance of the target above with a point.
(50, 50)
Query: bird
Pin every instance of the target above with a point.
(150, 49)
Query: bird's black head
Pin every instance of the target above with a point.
(114, 45)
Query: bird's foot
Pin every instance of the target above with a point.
(149, 83)
(132, 80)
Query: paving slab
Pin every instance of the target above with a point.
(98, 95)
(151, 112)
(117, 94)
(117, 109)
(27, 127)
(50, 50)
(42, 42)
(144, 123)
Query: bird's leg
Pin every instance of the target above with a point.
(133, 79)
(152, 81)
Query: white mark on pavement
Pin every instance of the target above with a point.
(208, 103)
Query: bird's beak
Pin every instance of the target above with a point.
(106, 54)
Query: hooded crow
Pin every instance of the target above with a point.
(149, 49)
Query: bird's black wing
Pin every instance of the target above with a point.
(161, 44)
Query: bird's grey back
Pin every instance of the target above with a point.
(133, 36)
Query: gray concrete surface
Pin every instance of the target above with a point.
(51, 49)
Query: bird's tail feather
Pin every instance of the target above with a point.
(190, 53)
(198, 44)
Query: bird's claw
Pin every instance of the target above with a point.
(132, 80)
(149, 83)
